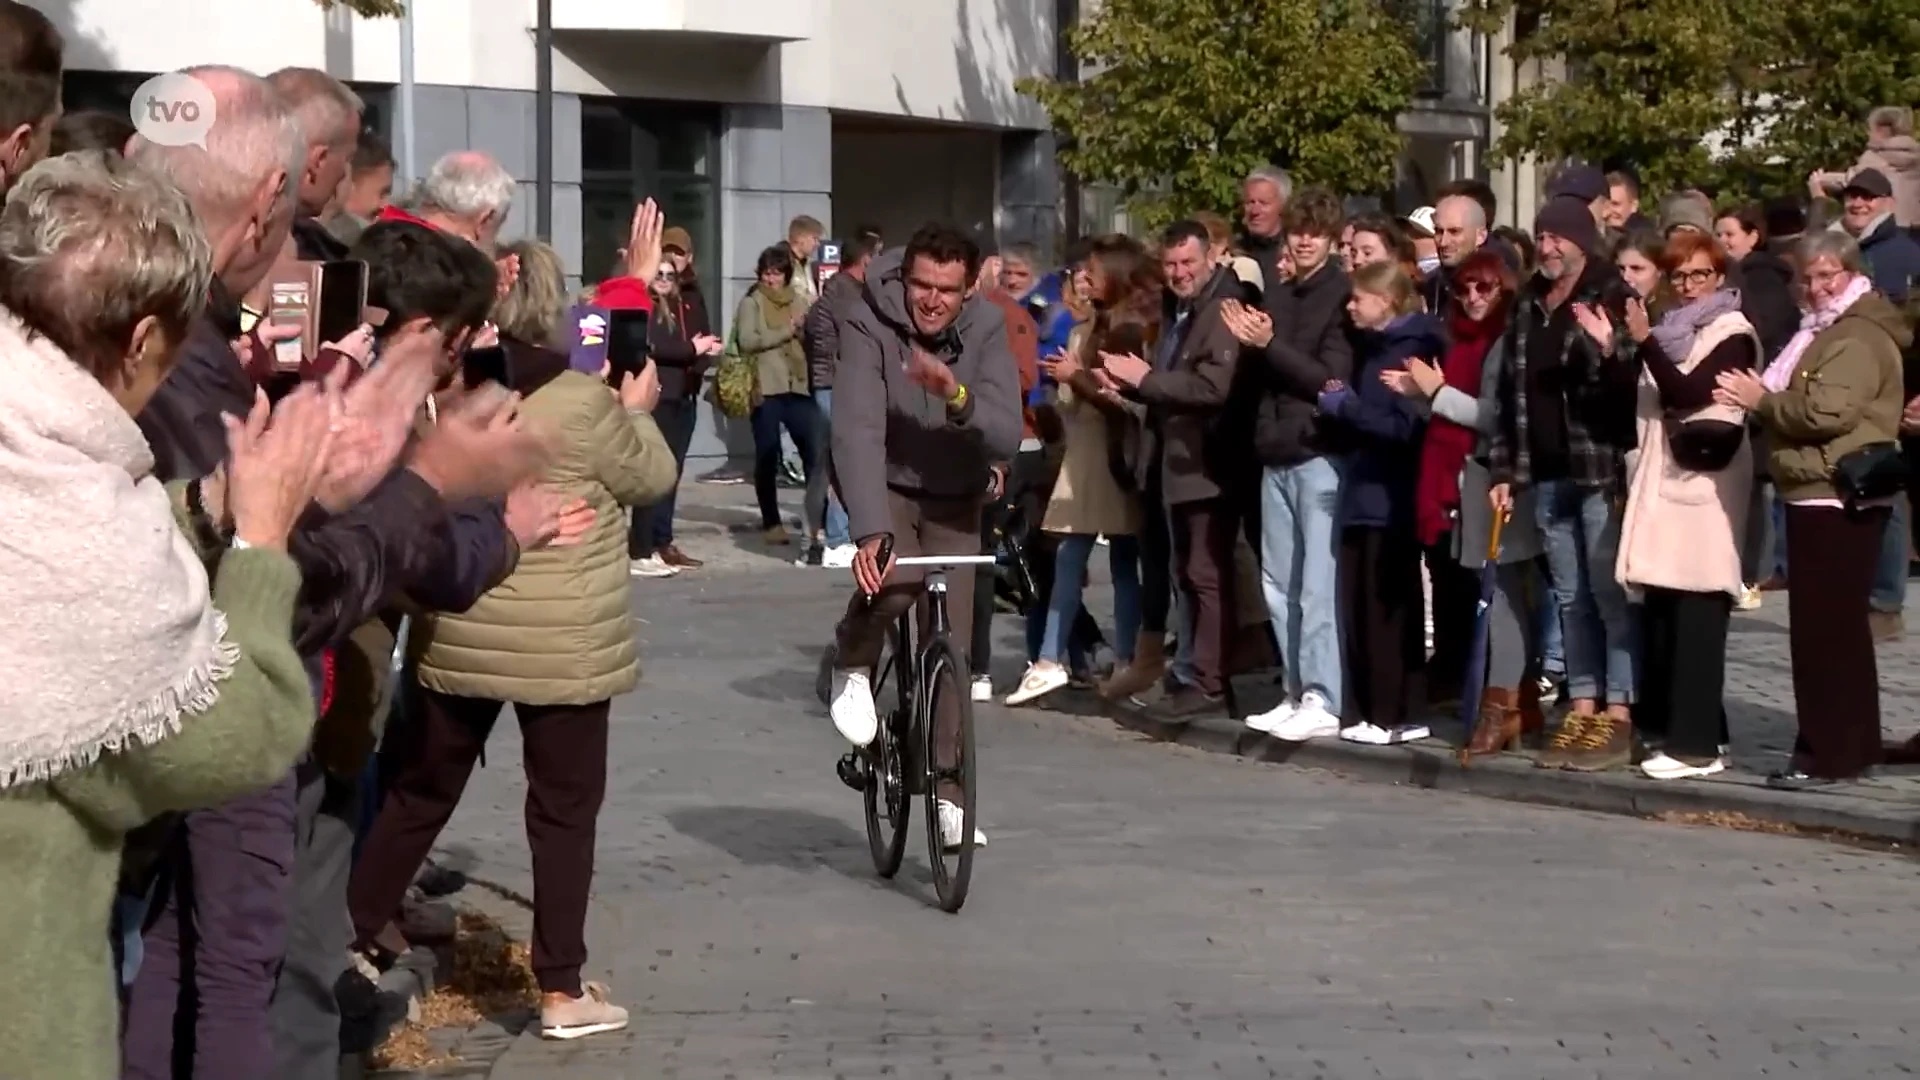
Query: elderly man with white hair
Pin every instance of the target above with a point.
(466, 193)
(329, 115)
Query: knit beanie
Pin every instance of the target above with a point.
(1569, 219)
(1684, 210)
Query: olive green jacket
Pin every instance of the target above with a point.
(1845, 394)
(559, 630)
(60, 839)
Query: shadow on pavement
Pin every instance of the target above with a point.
(780, 836)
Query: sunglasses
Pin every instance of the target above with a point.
(1480, 287)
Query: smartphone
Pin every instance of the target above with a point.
(324, 301)
(626, 344)
(342, 301)
(485, 365)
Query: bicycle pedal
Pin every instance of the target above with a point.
(850, 772)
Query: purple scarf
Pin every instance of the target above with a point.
(1678, 327)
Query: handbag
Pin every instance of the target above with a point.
(1872, 472)
(736, 380)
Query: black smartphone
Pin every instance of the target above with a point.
(485, 365)
(343, 299)
(626, 344)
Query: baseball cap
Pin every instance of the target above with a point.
(678, 239)
(1871, 182)
(1421, 221)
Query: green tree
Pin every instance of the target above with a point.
(1741, 96)
(1187, 96)
(1648, 81)
(372, 9)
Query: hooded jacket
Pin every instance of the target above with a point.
(1310, 348)
(1381, 428)
(889, 432)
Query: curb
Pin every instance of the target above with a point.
(1515, 779)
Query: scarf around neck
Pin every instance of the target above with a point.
(1679, 327)
(111, 639)
(1445, 446)
(1780, 372)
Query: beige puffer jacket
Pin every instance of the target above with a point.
(559, 630)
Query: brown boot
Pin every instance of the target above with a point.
(1572, 728)
(1497, 728)
(1142, 674)
(1605, 743)
(1533, 716)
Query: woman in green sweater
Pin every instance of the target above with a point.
(767, 328)
(133, 689)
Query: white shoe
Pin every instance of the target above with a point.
(1661, 766)
(1039, 681)
(951, 822)
(1273, 718)
(839, 557)
(852, 710)
(1750, 598)
(651, 566)
(1310, 721)
(983, 688)
(1374, 735)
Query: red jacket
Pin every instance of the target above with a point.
(1023, 337)
(621, 293)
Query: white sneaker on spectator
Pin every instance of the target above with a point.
(1040, 680)
(1374, 735)
(564, 1017)
(1273, 718)
(983, 688)
(951, 822)
(1310, 721)
(651, 566)
(839, 557)
(852, 710)
(1664, 766)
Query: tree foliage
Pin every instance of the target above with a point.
(1741, 96)
(1185, 97)
(372, 9)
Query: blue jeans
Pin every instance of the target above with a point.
(1546, 629)
(836, 515)
(1069, 578)
(1890, 577)
(1581, 530)
(1299, 542)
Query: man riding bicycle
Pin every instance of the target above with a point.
(926, 401)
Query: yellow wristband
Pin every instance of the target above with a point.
(959, 399)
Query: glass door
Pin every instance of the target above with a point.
(632, 150)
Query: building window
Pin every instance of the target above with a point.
(633, 150)
(112, 91)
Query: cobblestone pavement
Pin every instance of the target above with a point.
(1153, 911)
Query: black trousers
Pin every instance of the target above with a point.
(653, 525)
(1683, 670)
(1836, 678)
(1383, 621)
(1456, 594)
(1156, 562)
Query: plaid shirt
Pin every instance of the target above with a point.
(1599, 402)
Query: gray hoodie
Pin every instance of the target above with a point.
(889, 432)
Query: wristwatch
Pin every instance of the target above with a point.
(958, 400)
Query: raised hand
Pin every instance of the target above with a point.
(478, 449)
(1595, 322)
(373, 422)
(1427, 378)
(1061, 366)
(1126, 367)
(643, 241)
(275, 459)
(932, 373)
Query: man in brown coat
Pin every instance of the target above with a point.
(1185, 388)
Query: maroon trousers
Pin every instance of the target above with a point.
(1204, 535)
(1836, 679)
(565, 752)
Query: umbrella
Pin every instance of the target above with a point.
(1476, 673)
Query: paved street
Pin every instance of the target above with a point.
(1149, 910)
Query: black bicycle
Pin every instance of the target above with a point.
(909, 688)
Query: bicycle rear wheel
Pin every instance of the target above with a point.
(889, 801)
(944, 685)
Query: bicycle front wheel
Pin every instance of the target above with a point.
(889, 799)
(946, 758)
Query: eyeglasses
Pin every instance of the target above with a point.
(1690, 277)
(1481, 287)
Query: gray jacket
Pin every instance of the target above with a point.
(1520, 536)
(889, 432)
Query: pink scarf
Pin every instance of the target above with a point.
(1780, 372)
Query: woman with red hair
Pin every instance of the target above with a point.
(1454, 517)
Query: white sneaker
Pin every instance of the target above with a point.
(852, 710)
(1661, 766)
(1310, 721)
(839, 557)
(1039, 681)
(1273, 718)
(952, 820)
(1374, 735)
(1750, 598)
(651, 566)
(983, 688)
